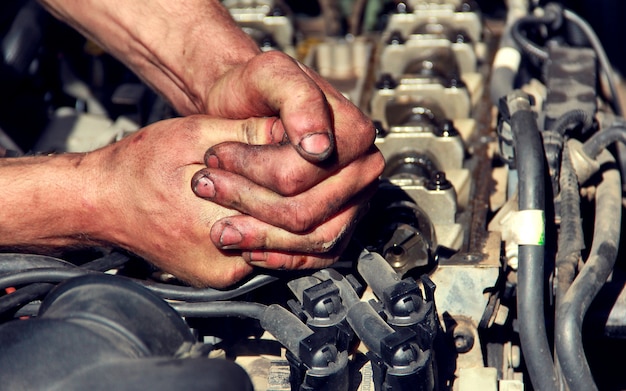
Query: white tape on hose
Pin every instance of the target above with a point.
(529, 227)
(507, 57)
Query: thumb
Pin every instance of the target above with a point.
(253, 131)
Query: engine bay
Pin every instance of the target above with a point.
(489, 258)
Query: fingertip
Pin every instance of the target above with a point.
(202, 185)
(210, 159)
(317, 147)
(256, 258)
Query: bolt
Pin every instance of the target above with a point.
(461, 344)
(277, 11)
(386, 82)
(446, 129)
(455, 83)
(380, 129)
(402, 8)
(466, 7)
(439, 182)
(395, 38)
(463, 339)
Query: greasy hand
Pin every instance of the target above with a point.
(145, 205)
(320, 176)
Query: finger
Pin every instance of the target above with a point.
(251, 91)
(288, 261)
(297, 213)
(280, 169)
(203, 132)
(247, 233)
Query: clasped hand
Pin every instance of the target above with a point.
(284, 179)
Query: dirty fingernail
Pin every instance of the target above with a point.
(255, 257)
(230, 237)
(205, 187)
(212, 161)
(316, 143)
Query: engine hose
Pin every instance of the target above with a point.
(189, 294)
(570, 240)
(572, 309)
(526, 45)
(602, 139)
(220, 309)
(286, 327)
(529, 157)
(570, 119)
(47, 274)
(192, 296)
(34, 291)
(15, 262)
(507, 59)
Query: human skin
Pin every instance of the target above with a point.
(314, 161)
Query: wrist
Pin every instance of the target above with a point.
(179, 48)
(49, 202)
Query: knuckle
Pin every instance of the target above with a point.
(286, 261)
(228, 275)
(378, 163)
(248, 132)
(328, 240)
(297, 218)
(192, 124)
(366, 129)
(289, 180)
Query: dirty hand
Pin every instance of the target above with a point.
(314, 177)
(145, 205)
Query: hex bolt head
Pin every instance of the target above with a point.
(446, 129)
(386, 82)
(395, 38)
(439, 182)
(463, 340)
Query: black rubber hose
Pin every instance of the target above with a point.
(221, 309)
(15, 262)
(571, 239)
(276, 320)
(56, 275)
(36, 290)
(602, 139)
(189, 294)
(571, 119)
(108, 262)
(530, 290)
(526, 45)
(49, 275)
(572, 309)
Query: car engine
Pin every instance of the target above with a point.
(489, 258)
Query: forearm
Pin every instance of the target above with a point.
(46, 203)
(178, 47)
